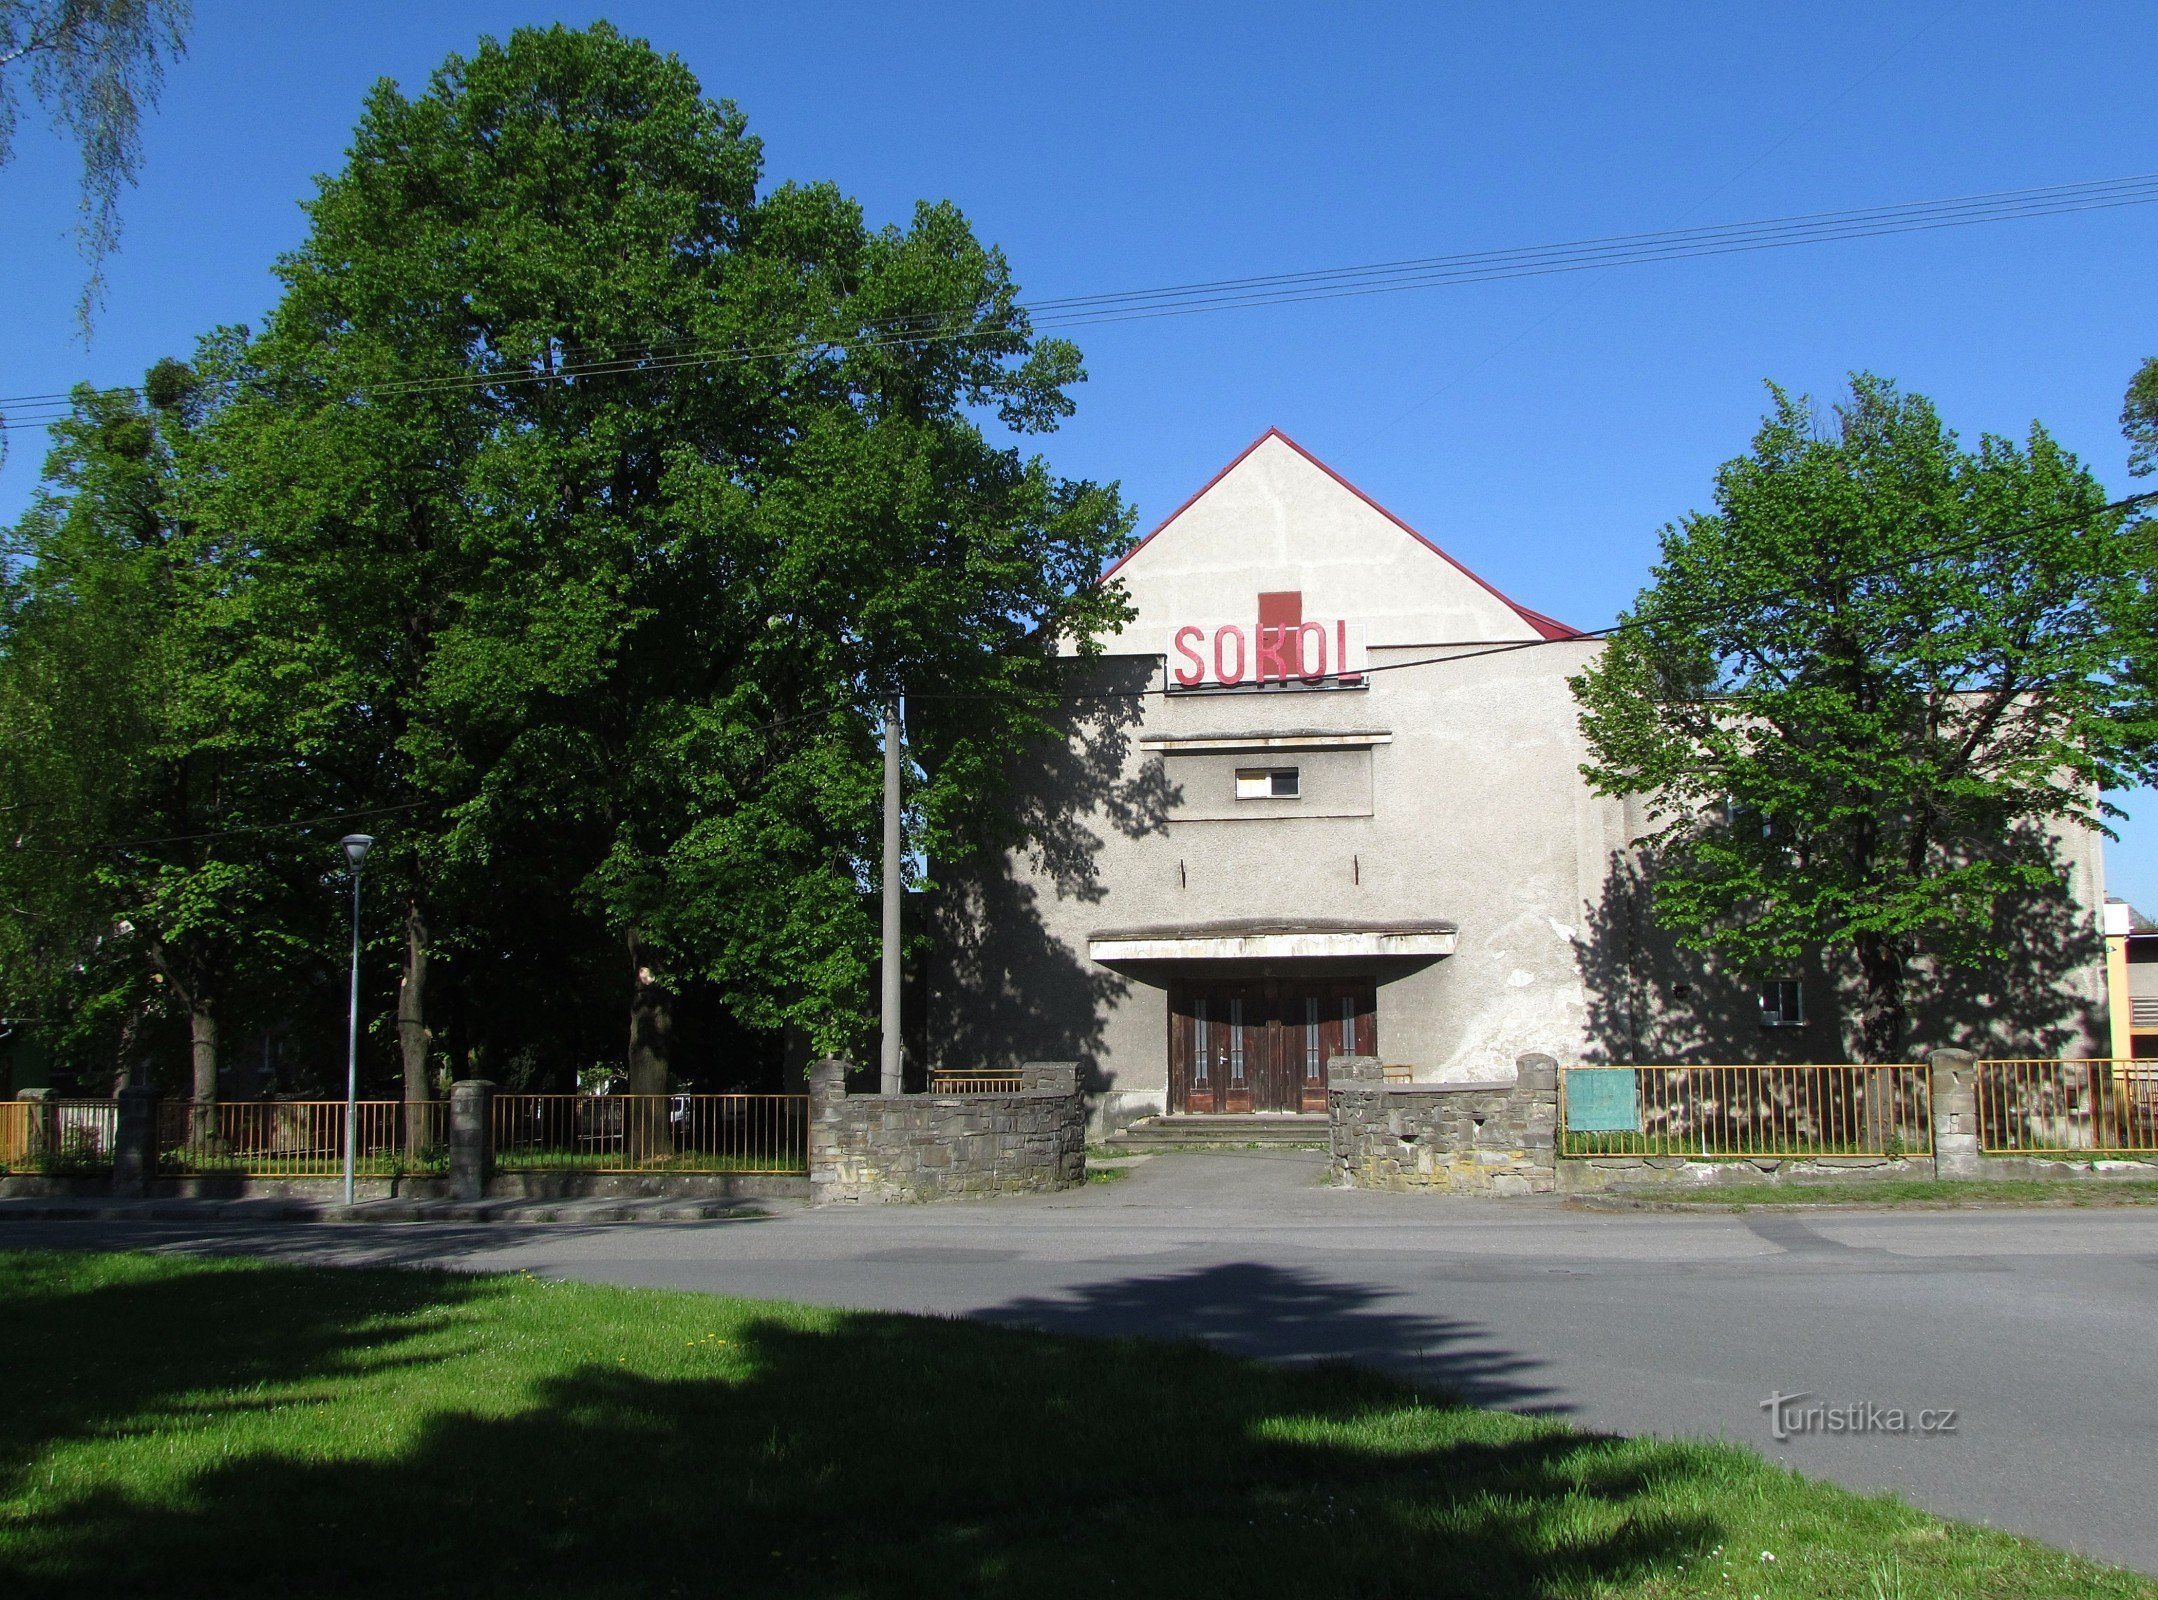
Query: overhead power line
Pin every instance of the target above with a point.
(1274, 289)
(1704, 613)
(1621, 250)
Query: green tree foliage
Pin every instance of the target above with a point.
(93, 65)
(1861, 692)
(2139, 419)
(575, 509)
(136, 878)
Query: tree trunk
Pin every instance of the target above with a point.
(202, 1050)
(187, 984)
(412, 1034)
(647, 1135)
(1882, 964)
(123, 1072)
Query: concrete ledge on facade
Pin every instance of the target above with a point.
(1489, 1137)
(1282, 739)
(872, 1149)
(1269, 938)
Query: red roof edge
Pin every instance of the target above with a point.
(1545, 627)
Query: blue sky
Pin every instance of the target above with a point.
(1542, 430)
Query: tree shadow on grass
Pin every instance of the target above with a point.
(820, 1455)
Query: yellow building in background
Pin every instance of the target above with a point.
(2132, 981)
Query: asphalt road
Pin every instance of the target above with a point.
(2039, 1328)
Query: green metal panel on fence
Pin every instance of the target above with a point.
(1602, 1100)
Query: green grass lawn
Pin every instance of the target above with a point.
(179, 1426)
(1914, 1192)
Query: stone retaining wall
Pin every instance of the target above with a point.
(1462, 1138)
(873, 1149)
(1597, 1174)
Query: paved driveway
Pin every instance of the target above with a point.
(2040, 1328)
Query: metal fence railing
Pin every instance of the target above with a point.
(743, 1133)
(57, 1138)
(1745, 1112)
(300, 1138)
(973, 1080)
(2040, 1107)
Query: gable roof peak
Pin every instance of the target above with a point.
(1547, 627)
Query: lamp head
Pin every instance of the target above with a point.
(356, 847)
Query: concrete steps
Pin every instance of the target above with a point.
(1221, 1132)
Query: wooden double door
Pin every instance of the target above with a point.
(1262, 1044)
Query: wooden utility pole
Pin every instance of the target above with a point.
(888, 1057)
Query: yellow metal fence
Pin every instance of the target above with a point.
(300, 1138)
(2051, 1107)
(1745, 1112)
(973, 1080)
(57, 1137)
(744, 1133)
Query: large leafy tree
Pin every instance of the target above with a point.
(146, 867)
(598, 499)
(1861, 693)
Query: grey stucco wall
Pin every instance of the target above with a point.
(1478, 817)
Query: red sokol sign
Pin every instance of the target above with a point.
(1230, 654)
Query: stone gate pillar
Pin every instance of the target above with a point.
(1954, 1092)
(1049, 1077)
(472, 1142)
(1536, 1086)
(134, 1142)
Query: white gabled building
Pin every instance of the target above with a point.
(1323, 794)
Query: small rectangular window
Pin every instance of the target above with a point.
(1267, 783)
(1783, 1004)
(1745, 819)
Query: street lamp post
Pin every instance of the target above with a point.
(889, 1080)
(356, 847)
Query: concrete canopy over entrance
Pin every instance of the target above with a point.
(1273, 939)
